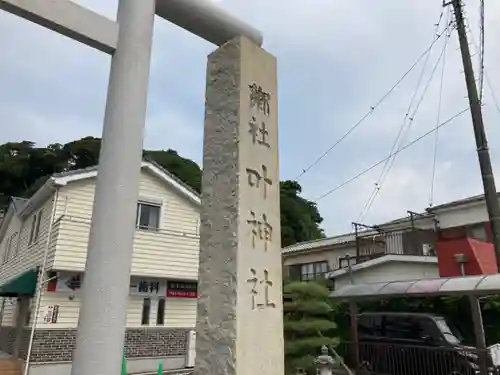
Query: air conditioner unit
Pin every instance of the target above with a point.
(191, 348)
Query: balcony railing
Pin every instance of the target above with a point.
(373, 242)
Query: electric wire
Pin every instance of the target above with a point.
(371, 110)
(436, 135)
(377, 186)
(481, 50)
(338, 187)
(485, 72)
(403, 131)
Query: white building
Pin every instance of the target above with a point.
(421, 245)
(55, 223)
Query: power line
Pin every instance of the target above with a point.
(436, 138)
(486, 76)
(395, 153)
(481, 50)
(403, 131)
(377, 187)
(371, 110)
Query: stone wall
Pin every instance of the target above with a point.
(57, 345)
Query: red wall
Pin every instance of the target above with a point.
(480, 255)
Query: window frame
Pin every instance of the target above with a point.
(160, 311)
(156, 205)
(6, 252)
(35, 228)
(477, 232)
(13, 251)
(401, 328)
(146, 311)
(318, 270)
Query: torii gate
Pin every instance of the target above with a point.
(128, 41)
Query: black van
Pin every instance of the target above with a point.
(415, 344)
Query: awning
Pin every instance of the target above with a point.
(24, 284)
(481, 285)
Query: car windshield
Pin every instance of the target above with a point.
(450, 332)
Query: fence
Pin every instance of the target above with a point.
(398, 359)
(402, 242)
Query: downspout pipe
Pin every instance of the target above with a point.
(41, 282)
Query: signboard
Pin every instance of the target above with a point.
(147, 287)
(182, 289)
(51, 314)
(68, 282)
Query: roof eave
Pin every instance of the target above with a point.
(382, 260)
(151, 166)
(40, 196)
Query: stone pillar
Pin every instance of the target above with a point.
(240, 311)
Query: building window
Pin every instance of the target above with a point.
(311, 271)
(6, 252)
(478, 232)
(148, 216)
(146, 310)
(13, 245)
(160, 313)
(10, 247)
(35, 227)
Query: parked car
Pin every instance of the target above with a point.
(415, 344)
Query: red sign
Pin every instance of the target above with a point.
(181, 294)
(182, 289)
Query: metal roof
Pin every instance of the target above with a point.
(460, 202)
(18, 203)
(466, 285)
(342, 238)
(315, 244)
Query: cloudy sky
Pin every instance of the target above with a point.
(336, 59)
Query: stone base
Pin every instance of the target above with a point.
(57, 345)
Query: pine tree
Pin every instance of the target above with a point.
(308, 324)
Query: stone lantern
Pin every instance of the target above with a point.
(325, 363)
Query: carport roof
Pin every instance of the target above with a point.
(466, 285)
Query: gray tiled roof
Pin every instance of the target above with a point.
(475, 198)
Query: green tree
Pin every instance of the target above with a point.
(185, 169)
(24, 168)
(300, 218)
(308, 324)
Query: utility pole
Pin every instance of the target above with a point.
(490, 191)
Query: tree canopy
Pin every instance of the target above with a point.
(308, 324)
(24, 168)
